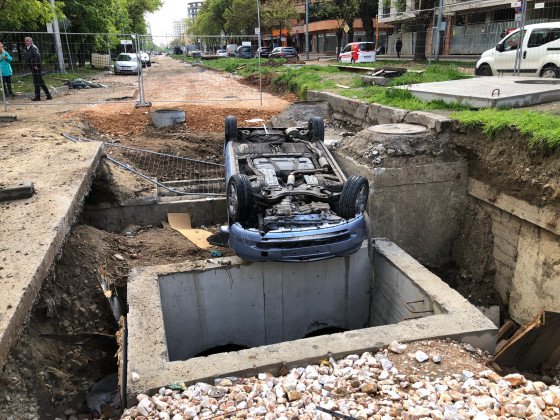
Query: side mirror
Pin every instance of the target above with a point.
(500, 47)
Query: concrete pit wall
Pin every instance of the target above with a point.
(203, 211)
(281, 301)
(526, 251)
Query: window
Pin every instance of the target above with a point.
(124, 57)
(542, 36)
(346, 49)
(512, 42)
(367, 46)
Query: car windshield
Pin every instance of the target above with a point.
(124, 57)
(367, 46)
(289, 50)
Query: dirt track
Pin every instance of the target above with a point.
(48, 370)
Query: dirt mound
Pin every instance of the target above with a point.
(69, 342)
(511, 166)
(121, 121)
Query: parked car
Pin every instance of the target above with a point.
(145, 58)
(358, 52)
(127, 63)
(264, 52)
(221, 53)
(287, 198)
(540, 52)
(284, 52)
(178, 50)
(244, 51)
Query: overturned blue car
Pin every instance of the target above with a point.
(287, 199)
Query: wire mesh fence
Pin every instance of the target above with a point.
(171, 174)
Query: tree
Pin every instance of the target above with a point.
(241, 17)
(367, 11)
(210, 19)
(136, 11)
(279, 14)
(30, 15)
(343, 12)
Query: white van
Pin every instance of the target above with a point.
(540, 53)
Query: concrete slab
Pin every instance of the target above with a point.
(488, 92)
(414, 302)
(33, 230)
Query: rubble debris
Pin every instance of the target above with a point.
(83, 84)
(535, 345)
(357, 387)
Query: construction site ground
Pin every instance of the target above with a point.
(68, 343)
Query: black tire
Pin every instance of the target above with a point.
(354, 196)
(485, 70)
(550, 71)
(239, 199)
(316, 129)
(231, 131)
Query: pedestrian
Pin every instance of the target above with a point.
(398, 46)
(6, 70)
(33, 59)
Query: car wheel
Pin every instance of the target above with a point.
(485, 70)
(550, 71)
(231, 130)
(354, 197)
(316, 127)
(239, 198)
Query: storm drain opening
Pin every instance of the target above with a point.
(242, 307)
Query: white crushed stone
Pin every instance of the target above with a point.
(361, 386)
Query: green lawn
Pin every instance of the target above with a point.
(541, 128)
(24, 84)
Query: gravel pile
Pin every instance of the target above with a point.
(362, 387)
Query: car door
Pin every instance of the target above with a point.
(346, 55)
(536, 54)
(505, 59)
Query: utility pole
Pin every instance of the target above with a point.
(519, 52)
(57, 41)
(439, 25)
(307, 29)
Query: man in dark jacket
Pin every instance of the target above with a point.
(33, 59)
(398, 47)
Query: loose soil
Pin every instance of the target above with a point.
(509, 165)
(69, 342)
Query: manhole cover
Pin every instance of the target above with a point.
(397, 129)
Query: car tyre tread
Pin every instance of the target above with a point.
(349, 195)
(242, 186)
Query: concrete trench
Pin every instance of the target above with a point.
(199, 320)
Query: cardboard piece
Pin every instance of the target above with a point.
(181, 222)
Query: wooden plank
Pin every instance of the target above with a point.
(533, 345)
(18, 192)
(181, 222)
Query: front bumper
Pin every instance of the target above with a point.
(310, 244)
(122, 70)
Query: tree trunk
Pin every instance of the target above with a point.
(420, 45)
(339, 40)
(367, 13)
(351, 35)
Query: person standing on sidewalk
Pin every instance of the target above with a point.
(6, 70)
(33, 59)
(398, 47)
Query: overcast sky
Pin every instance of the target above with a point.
(161, 22)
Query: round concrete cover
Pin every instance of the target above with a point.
(398, 129)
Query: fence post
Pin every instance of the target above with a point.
(3, 93)
(141, 102)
